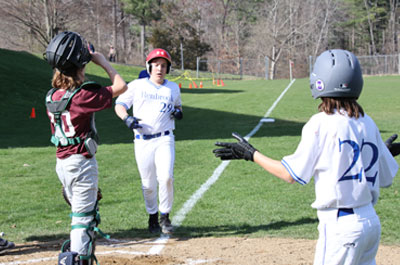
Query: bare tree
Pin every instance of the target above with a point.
(40, 19)
(371, 28)
(393, 27)
(280, 27)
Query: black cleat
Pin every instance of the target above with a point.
(166, 226)
(5, 245)
(154, 226)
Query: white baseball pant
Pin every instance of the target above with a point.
(155, 160)
(79, 176)
(348, 240)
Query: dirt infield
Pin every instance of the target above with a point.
(205, 250)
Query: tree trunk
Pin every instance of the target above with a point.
(97, 17)
(124, 53)
(115, 31)
(371, 29)
(142, 41)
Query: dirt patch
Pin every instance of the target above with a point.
(208, 250)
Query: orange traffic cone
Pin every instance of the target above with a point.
(190, 85)
(180, 85)
(214, 82)
(218, 83)
(201, 84)
(222, 83)
(194, 84)
(33, 113)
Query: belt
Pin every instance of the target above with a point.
(151, 136)
(344, 211)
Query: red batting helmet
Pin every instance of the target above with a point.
(158, 53)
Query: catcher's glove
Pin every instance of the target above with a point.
(240, 150)
(394, 148)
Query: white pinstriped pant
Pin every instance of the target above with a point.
(155, 160)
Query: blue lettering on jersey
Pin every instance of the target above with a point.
(356, 155)
(156, 96)
(166, 107)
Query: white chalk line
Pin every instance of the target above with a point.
(186, 208)
(269, 111)
(189, 204)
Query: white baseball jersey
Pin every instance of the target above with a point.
(152, 104)
(347, 158)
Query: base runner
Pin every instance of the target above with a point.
(156, 103)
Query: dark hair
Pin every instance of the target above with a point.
(349, 105)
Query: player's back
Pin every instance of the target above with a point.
(347, 170)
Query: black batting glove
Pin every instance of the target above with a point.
(240, 150)
(132, 122)
(177, 114)
(394, 148)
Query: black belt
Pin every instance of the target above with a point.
(151, 136)
(345, 211)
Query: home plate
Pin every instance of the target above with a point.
(267, 120)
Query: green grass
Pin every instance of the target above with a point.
(245, 201)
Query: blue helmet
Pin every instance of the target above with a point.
(337, 74)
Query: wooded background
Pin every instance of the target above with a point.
(281, 30)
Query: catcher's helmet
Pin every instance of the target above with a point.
(67, 52)
(336, 73)
(158, 53)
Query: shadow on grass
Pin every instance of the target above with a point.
(240, 230)
(197, 124)
(19, 130)
(217, 230)
(208, 91)
(54, 242)
(38, 244)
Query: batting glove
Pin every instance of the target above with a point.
(177, 114)
(240, 150)
(394, 148)
(132, 122)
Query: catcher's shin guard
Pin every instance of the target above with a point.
(72, 258)
(91, 231)
(68, 258)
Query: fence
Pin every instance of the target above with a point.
(375, 64)
(239, 68)
(236, 68)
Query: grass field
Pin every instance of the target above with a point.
(245, 201)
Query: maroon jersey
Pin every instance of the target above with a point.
(76, 118)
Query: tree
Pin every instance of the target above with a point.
(144, 11)
(170, 39)
(367, 23)
(285, 26)
(40, 19)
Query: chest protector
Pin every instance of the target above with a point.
(59, 137)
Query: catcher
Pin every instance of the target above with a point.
(71, 105)
(342, 148)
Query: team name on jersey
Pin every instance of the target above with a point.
(156, 96)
